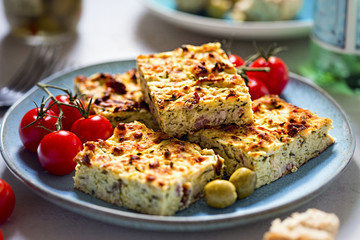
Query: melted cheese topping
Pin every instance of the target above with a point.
(192, 75)
(275, 123)
(137, 152)
(111, 93)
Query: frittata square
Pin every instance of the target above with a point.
(146, 171)
(117, 97)
(282, 138)
(192, 87)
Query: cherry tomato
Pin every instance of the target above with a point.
(257, 88)
(7, 201)
(1, 236)
(236, 60)
(278, 76)
(70, 114)
(57, 151)
(32, 135)
(93, 128)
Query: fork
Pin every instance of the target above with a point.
(40, 63)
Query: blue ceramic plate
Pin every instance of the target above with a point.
(267, 201)
(300, 26)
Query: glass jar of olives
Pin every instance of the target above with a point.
(43, 21)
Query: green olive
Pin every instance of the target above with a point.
(192, 6)
(217, 8)
(48, 24)
(244, 181)
(220, 193)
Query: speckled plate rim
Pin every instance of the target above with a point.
(336, 158)
(296, 28)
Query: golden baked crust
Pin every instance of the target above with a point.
(117, 97)
(313, 224)
(281, 139)
(146, 171)
(192, 87)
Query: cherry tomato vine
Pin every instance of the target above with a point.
(48, 129)
(263, 72)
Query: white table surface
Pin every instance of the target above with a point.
(112, 30)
